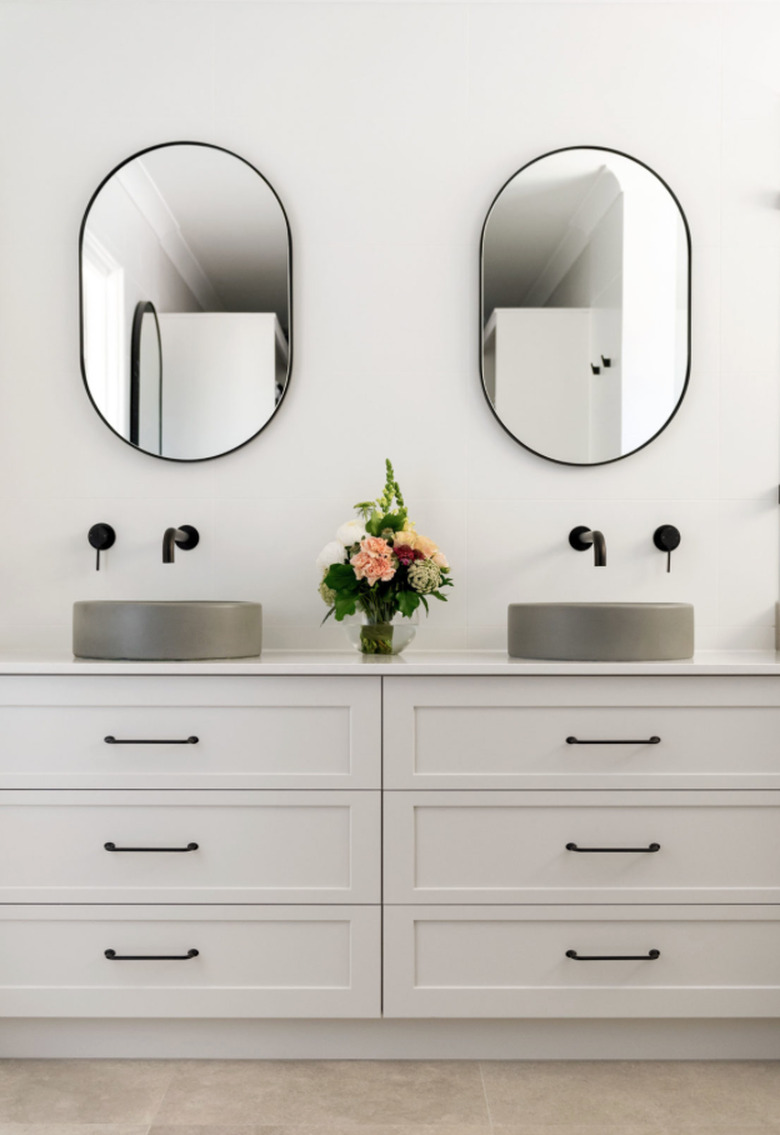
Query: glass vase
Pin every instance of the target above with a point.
(373, 635)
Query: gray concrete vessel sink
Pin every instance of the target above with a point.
(600, 632)
(166, 630)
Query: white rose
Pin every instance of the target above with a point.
(332, 553)
(351, 533)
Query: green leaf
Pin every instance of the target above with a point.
(330, 612)
(424, 602)
(394, 520)
(438, 595)
(408, 602)
(344, 605)
(341, 577)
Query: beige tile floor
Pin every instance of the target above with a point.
(287, 1097)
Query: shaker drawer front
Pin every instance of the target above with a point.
(270, 732)
(488, 733)
(510, 847)
(712, 961)
(248, 961)
(190, 847)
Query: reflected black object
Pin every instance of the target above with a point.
(136, 353)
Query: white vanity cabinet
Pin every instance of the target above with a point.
(582, 846)
(194, 846)
(372, 838)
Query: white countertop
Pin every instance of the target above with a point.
(412, 662)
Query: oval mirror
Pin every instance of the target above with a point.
(186, 315)
(585, 305)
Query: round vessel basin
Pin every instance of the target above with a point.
(600, 632)
(166, 630)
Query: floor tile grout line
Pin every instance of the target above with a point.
(485, 1094)
(156, 1111)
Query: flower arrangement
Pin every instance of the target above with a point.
(380, 565)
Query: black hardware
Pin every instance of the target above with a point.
(583, 538)
(648, 957)
(606, 362)
(113, 956)
(184, 537)
(101, 537)
(113, 847)
(143, 741)
(666, 539)
(595, 369)
(650, 847)
(641, 741)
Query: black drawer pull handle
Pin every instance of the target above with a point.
(650, 847)
(113, 847)
(142, 741)
(113, 956)
(649, 957)
(640, 741)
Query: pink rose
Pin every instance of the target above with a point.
(440, 560)
(372, 567)
(375, 546)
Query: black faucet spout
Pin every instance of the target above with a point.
(169, 545)
(185, 537)
(599, 549)
(583, 537)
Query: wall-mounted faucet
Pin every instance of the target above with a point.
(101, 537)
(666, 539)
(184, 537)
(582, 538)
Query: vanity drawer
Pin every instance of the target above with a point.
(252, 732)
(270, 847)
(509, 847)
(715, 961)
(495, 732)
(252, 961)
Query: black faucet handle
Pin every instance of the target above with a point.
(666, 538)
(101, 537)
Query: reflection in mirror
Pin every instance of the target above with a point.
(146, 379)
(585, 305)
(186, 318)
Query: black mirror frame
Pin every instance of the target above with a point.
(136, 448)
(672, 194)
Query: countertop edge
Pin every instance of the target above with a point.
(413, 664)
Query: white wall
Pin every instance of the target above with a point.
(387, 128)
